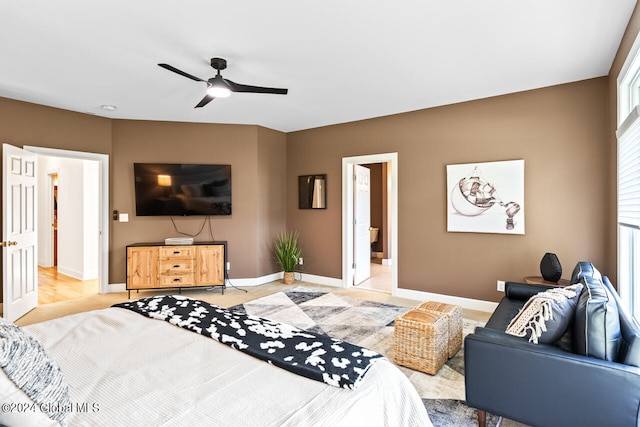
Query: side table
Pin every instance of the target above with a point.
(538, 280)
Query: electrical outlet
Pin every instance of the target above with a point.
(501, 285)
(300, 261)
(228, 266)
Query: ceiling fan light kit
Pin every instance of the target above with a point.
(219, 87)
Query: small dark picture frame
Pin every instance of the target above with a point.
(312, 191)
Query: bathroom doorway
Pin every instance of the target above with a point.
(379, 259)
(383, 222)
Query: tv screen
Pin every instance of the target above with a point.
(182, 189)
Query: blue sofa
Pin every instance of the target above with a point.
(589, 377)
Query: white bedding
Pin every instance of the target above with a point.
(126, 369)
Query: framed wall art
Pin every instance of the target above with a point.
(312, 191)
(486, 197)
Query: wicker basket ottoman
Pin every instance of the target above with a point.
(454, 315)
(420, 340)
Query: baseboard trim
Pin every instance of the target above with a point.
(80, 275)
(311, 278)
(257, 281)
(117, 287)
(467, 303)
(321, 280)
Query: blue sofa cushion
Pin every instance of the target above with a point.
(546, 316)
(584, 269)
(596, 329)
(630, 345)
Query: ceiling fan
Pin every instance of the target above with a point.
(219, 87)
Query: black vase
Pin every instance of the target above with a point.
(550, 267)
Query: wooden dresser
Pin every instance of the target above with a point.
(158, 266)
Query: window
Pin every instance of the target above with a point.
(629, 212)
(629, 183)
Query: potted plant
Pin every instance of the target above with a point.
(287, 253)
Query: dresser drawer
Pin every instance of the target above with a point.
(176, 281)
(171, 266)
(168, 252)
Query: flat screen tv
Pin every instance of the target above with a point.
(182, 189)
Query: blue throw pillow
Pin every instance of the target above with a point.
(596, 330)
(584, 269)
(630, 345)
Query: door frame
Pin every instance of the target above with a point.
(103, 201)
(347, 214)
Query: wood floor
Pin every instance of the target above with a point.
(69, 302)
(55, 287)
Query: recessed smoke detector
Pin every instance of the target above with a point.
(109, 107)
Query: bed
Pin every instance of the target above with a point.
(123, 368)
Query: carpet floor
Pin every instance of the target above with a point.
(370, 324)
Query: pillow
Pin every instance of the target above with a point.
(547, 315)
(584, 269)
(25, 362)
(629, 352)
(22, 411)
(596, 330)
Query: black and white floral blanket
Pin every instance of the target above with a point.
(319, 357)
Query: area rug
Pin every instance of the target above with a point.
(370, 324)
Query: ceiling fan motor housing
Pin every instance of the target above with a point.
(219, 63)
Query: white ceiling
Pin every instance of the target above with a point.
(342, 60)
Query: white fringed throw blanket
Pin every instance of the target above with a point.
(532, 317)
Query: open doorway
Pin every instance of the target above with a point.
(68, 229)
(382, 250)
(85, 242)
(21, 223)
(378, 244)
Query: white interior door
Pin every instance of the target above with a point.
(19, 232)
(361, 224)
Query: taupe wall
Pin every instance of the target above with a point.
(23, 124)
(272, 165)
(561, 132)
(257, 156)
(257, 188)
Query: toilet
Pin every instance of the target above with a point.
(373, 234)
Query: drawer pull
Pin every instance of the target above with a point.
(176, 252)
(176, 266)
(176, 280)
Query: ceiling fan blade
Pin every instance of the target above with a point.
(182, 73)
(237, 87)
(207, 99)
